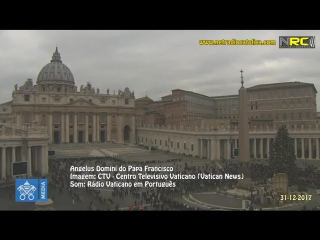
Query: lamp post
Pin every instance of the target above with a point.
(251, 208)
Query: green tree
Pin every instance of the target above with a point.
(282, 158)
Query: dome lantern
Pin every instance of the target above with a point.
(56, 56)
(56, 72)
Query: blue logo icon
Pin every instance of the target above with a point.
(31, 190)
(27, 190)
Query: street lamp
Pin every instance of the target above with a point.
(251, 208)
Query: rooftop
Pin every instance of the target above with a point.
(281, 85)
(201, 95)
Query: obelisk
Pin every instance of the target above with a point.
(244, 143)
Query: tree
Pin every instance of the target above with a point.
(282, 157)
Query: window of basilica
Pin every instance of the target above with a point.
(103, 118)
(56, 118)
(71, 118)
(43, 119)
(26, 118)
(81, 118)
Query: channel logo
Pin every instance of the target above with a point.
(31, 190)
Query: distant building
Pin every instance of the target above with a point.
(5, 113)
(72, 115)
(292, 103)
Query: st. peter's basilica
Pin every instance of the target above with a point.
(73, 115)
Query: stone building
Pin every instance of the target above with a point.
(216, 135)
(222, 143)
(24, 143)
(291, 102)
(141, 105)
(150, 112)
(5, 113)
(72, 114)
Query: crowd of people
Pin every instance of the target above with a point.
(163, 198)
(307, 176)
(156, 198)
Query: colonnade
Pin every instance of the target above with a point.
(35, 156)
(305, 148)
(94, 131)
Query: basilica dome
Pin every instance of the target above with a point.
(55, 72)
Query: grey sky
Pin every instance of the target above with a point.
(155, 62)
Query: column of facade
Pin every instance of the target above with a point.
(133, 129)
(228, 148)
(317, 148)
(268, 147)
(302, 148)
(254, 148)
(38, 158)
(109, 126)
(67, 128)
(94, 127)
(22, 155)
(86, 131)
(8, 162)
(47, 159)
(34, 157)
(212, 151)
(13, 158)
(98, 128)
(196, 148)
(75, 128)
(310, 148)
(295, 147)
(50, 128)
(29, 162)
(19, 119)
(120, 128)
(42, 161)
(218, 150)
(261, 147)
(3, 163)
(35, 116)
(201, 148)
(63, 128)
(208, 148)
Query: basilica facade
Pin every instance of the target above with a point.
(72, 114)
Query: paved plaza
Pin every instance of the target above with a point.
(222, 202)
(300, 163)
(127, 152)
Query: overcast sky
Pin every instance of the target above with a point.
(155, 62)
